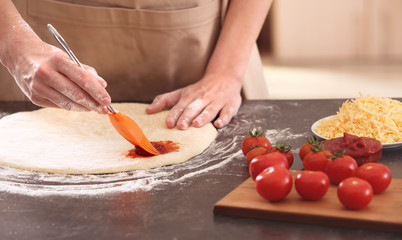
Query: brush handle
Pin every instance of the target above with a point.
(70, 53)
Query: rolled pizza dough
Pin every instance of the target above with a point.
(58, 141)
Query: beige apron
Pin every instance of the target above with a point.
(142, 48)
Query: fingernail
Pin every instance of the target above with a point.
(218, 123)
(170, 122)
(183, 124)
(197, 122)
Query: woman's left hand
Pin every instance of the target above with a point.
(217, 94)
(214, 96)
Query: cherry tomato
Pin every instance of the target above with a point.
(377, 174)
(255, 139)
(306, 148)
(312, 185)
(355, 193)
(341, 167)
(257, 151)
(274, 183)
(284, 150)
(317, 160)
(260, 163)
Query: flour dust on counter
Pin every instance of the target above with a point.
(42, 184)
(57, 141)
(282, 135)
(223, 157)
(222, 152)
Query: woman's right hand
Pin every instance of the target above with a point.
(49, 78)
(46, 74)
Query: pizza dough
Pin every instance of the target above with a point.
(58, 141)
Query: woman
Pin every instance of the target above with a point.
(192, 56)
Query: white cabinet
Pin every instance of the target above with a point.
(336, 29)
(384, 29)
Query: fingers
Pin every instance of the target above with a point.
(199, 113)
(200, 116)
(95, 75)
(69, 90)
(177, 102)
(65, 103)
(225, 116)
(189, 109)
(49, 78)
(192, 111)
(45, 96)
(163, 101)
(54, 82)
(207, 115)
(43, 102)
(85, 80)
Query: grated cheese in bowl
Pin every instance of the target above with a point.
(365, 116)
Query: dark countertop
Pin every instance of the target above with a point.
(180, 210)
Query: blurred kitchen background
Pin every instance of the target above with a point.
(332, 48)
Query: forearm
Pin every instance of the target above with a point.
(14, 34)
(239, 33)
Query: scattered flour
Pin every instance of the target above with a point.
(281, 135)
(42, 184)
(215, 160)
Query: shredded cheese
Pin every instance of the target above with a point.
(374, 117)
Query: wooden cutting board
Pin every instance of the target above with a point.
(383, 213)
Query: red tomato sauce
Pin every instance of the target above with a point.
(362, 149)
(163, 147)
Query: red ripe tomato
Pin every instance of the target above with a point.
(284, 150)
(255, 139)
(306, 148)
(260, 163)
(377, 174)
(355, 193)
(312, 185)
(274, 183)
(317, 160)
(341, 167)
(255, 152)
